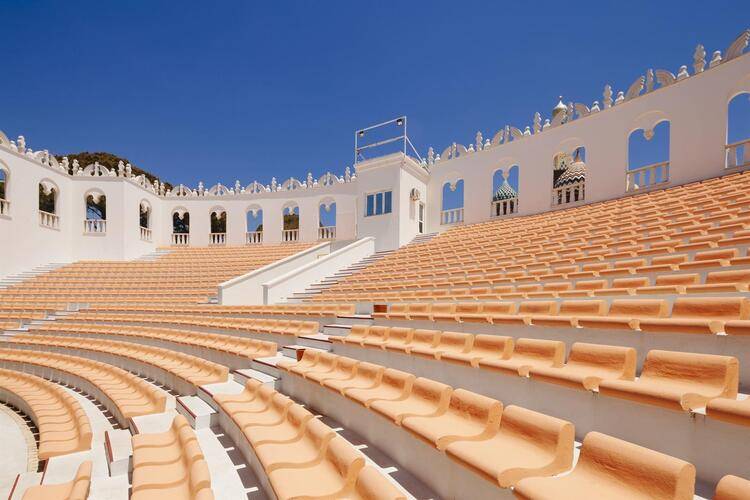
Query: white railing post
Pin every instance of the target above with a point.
(145, 234)
(4, 207)
(94, 226)
(452, 216)
(254, 237)
(327, 233)
(504, 207)
(570, 193)
(645, 177)
(49, 220)
(290, 235)
(180, 239)
(738, 154)
(217, 238)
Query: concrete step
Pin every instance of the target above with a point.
(199, 413)
(242, 375)
(319, 341)
(268, 365)
(337, 330)
(355, 319)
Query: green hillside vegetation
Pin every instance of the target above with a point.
(110, 161)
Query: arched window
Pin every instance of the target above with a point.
(218, 234)
(738, 132)
(505, 192)
(96, 213)
(4, 204)
(569, 177)
(327, 220)
(648, 157)
(291, 223)
(452, 203)
(254, 225)
(48, 205)
(144, 220)
(180, 227)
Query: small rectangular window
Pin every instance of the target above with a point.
(387, 209)
(379, 203)
(370, 205)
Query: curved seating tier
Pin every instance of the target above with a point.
(293, 328)
(228, 344)
(130, 395)
(301, 456)
(63, 425)
(77, 489)
(170, 465)
(279, 309)
(194, 370)
(509, 446)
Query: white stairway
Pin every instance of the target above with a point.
(14, 279)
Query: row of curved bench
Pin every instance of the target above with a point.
(674, 380)
(509, 446)
(130, 395)
(63, 425)
(301, 456)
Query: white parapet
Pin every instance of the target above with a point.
(247, 289)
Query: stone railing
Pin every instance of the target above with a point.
(649, 176)
(452, 216)
(49, 220)
(4, 207)
(254, 237)
(738, 154)
(94, 226)
(327, 233)
(145, 234)
(180, 239)
(290, 235)
(501, 208)
(216, 239)
(572, 193)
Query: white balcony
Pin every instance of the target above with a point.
(49, 220)
(656, 174)
(327, 233)
(452, 216)
(290, 235)
(254, 237)
(502, 208)
(94, 226)
(217, 239)
(145, 234)
(738, 154)
(572, 193)
(180, 239)
(4, 207)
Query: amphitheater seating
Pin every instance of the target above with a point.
(131, 395)
(615, 469)
(170, 465)
(502, 445)
(192, 369)
(63, 425)
(77, 489)
(278, 309)
(732, 488)
(229, 344)
(302, 456)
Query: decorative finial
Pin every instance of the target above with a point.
(699, 59)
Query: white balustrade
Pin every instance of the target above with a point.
(254, 237)
(94, 226)
(290, 235)
(571, 193)
(49, 220)
(145, 234)
(649, 176)
(4, 207)
(216, 239)
(738, 154)
(452, 216)
(504, 207)
(327, 233)
(180, 239)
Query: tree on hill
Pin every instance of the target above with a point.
(110, 161)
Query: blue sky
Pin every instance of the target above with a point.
(218, 91)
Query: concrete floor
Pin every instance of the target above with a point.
(15, 457)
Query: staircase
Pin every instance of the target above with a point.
(329, 281)
(422, 238)
(155, 255)
(14, 279)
